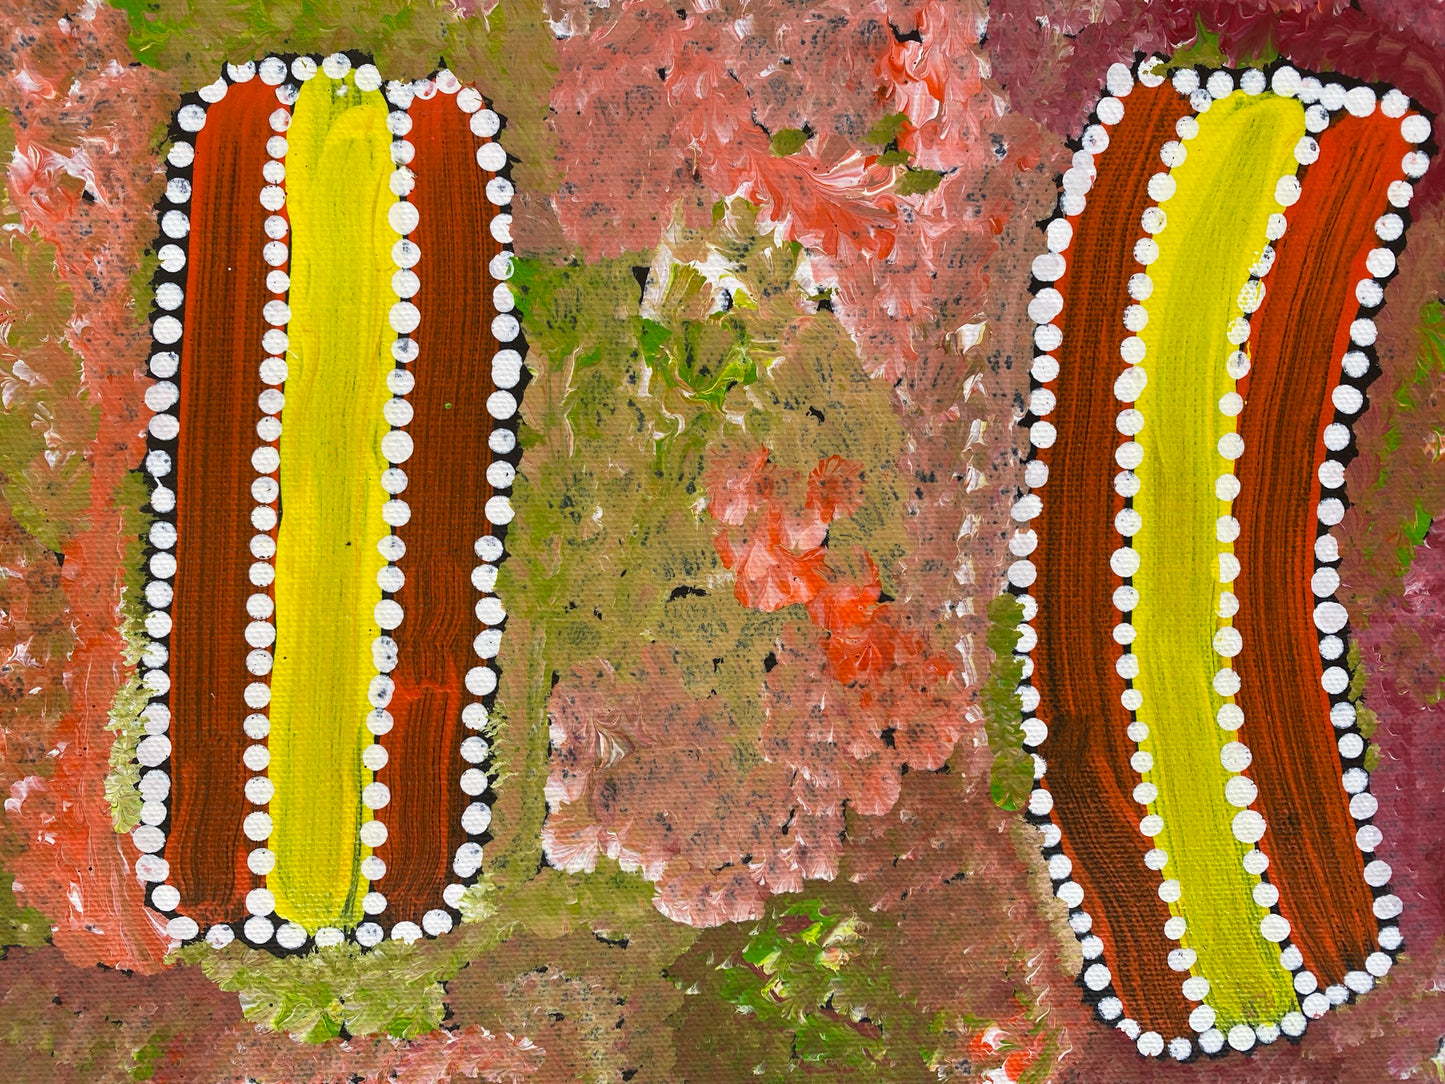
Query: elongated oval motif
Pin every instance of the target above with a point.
(1205, 334)
(332, 442)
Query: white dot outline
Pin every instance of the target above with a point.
(1255, 859)
(1045, 371)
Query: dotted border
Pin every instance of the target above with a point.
(286, 72)
(1323, 100)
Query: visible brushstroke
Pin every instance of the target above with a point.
(1225, 194)
(1300, 335)
(447, 490)
(70, 267)
(337, 172)
(219, 382)
(1088, 749)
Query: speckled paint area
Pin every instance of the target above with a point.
(761, 792)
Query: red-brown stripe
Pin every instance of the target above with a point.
(447, 491)
(1298, 338)
(1088, 749)
(219, 384)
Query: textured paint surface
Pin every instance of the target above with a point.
(624, 117)
(225, 292)
(447, 490)
(1300, 335)
(1088, 748)
(1216, 232)
(331, 464)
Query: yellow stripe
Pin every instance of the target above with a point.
(1216, 230)
(337, 171)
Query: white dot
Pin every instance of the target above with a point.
(1377, 874)
(404, 317)
(368, 78)
(499, 190)
(1130, 384)
(405, 932)
(182, 928)
(499, 510)
(373, 833)
(485, 123)
(257, 826)
(505, 327)
(476, 818)
(1248, 826)
(259, 790)
(1097, 977)
(1359, 982)
(1040, 802)
(260, 901)
(402, 217)
(1388, 907)
(165, 898)
(491, 157)
(258, 930)
(1330, 617)
(1240, 791)
(1360, 101)
(1274, 928)
(397, 446)
(1228, 565)
(1227, 642)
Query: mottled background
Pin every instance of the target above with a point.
(775, 263)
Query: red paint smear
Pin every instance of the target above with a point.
(1298, 339)
(447, 490)
(219, 383)
(75, 868)
(1088, 749)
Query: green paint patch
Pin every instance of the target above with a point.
(1414, 394)
(1011, 777)
(786, 141)
(915, 182)
(801, 1001)
(1207, 52)
(24, 927)
(887, 128)
(131, 698)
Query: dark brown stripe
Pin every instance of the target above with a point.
(1298, 339)
(1088, 749)
(219, 384)
(447, 491)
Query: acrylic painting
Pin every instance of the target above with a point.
(605, 540)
